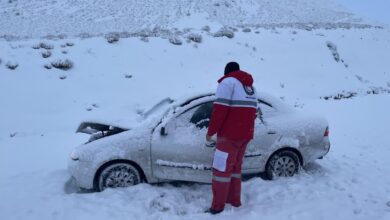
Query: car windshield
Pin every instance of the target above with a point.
(158, 107)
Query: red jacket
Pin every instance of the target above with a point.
(234, 110)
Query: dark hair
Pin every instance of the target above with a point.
(231, 67)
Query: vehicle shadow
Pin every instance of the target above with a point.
(71, 188)
(311, 168)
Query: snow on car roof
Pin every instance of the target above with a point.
(166, 108)
(276, 103)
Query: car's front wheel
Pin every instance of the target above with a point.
(118, 174)
(284, 163)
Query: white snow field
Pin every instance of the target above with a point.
(37, 18)
(341, 73)
(374, 10)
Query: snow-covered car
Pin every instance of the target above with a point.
(167, 143)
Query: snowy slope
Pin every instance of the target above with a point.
(38, 18)
(40, 108)
(290, 63)
(371, 10)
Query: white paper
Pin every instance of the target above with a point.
(219, 162)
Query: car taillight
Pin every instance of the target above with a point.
(326, 134)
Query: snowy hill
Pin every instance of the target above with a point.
(38, 18)
(343, 74)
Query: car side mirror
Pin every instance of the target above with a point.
(163, 132)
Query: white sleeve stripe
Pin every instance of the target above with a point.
(236, 102)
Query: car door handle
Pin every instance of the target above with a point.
(271, 132)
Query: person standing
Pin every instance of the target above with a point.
(232, 120)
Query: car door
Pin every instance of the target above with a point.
(179, 152)
(265, 136)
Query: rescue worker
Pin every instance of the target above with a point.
(232, 120)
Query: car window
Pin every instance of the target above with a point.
(201, 117)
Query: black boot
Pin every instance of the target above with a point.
(213, 212)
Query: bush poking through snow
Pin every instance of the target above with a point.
(145, 33)
(112, 37)
(12, 65)
(197, 38)
(46, 54)
(69, 44)
(206, 28)
(333, 49)
(84, 35)
(46, 46)
(13, 134)
(36, 46)
(48, 66)
(144, 39)
(62, 77)
(348, 95)
(377, 90)
(62, 64)
(339, 96)
(175, 40)
(124, 34)
(43, 46)
(128, 76)
(224, 32)
(246, 30)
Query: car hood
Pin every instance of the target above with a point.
(123, 120)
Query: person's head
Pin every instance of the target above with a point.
(231, 67)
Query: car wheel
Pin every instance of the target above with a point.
(119, 174)
(283, 163)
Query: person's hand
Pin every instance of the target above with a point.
(209, 142)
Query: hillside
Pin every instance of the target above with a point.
(39, 18)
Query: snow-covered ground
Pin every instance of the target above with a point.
(373, 10)
(38, 18)
(41, 108)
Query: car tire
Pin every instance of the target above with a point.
(284, 163)
(117, 174)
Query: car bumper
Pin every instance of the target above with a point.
(315, 151)
(81, 172)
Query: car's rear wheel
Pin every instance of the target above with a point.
(119, 174)
(284, 163)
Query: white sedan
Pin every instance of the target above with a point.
(167, 143)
